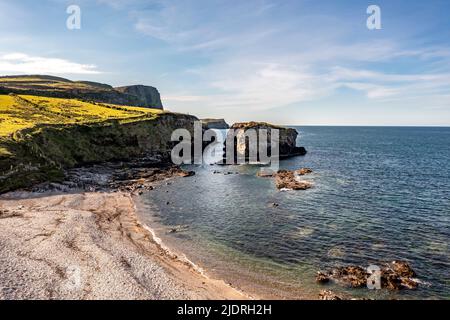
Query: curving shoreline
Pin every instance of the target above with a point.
(91, 245)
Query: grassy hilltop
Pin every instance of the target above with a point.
(49, 86)
(23, 111)
(40, 135)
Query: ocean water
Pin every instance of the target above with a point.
(380, 194)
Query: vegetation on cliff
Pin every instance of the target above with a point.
(22, 111)
(40, 135)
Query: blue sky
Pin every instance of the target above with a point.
(287, 62)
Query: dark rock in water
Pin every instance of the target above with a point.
(354, 276)
(398, 275)
(322, 277)
(178, 228)
(409, 284)
(285, 179)
(328, 295)
(393, 276)
(402, 269)
(274, 205)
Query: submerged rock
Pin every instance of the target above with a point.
(402, 269)
(184, 173)
(274, 205)
(303, 171)
(178, 228)
(265, 174)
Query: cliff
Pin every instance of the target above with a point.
(214, 124)
(41, 153)
(56, 87)
(148, 96)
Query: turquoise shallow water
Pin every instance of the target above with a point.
(379, 194)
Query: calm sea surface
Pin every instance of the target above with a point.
(380, 193)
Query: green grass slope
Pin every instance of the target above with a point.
(39, 136)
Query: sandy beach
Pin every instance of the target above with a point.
(90, 245)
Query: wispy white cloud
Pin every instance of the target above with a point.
(26, 64)
(379, 85)
(247, 85)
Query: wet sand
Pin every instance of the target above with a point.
(90, 245)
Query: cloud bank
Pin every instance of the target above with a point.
(20, 63)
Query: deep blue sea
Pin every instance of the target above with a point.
(380, 194)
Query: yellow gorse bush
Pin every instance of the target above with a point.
(23, 111)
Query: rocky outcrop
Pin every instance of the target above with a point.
(287, 139)
(214, 124)
(148, 96)
(396, 275)
(288, 179)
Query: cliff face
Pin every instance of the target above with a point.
(41, 153)
(287, 138)
(148, 96)
(48, 86)
(214, 124)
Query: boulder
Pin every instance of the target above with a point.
(322, 277)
